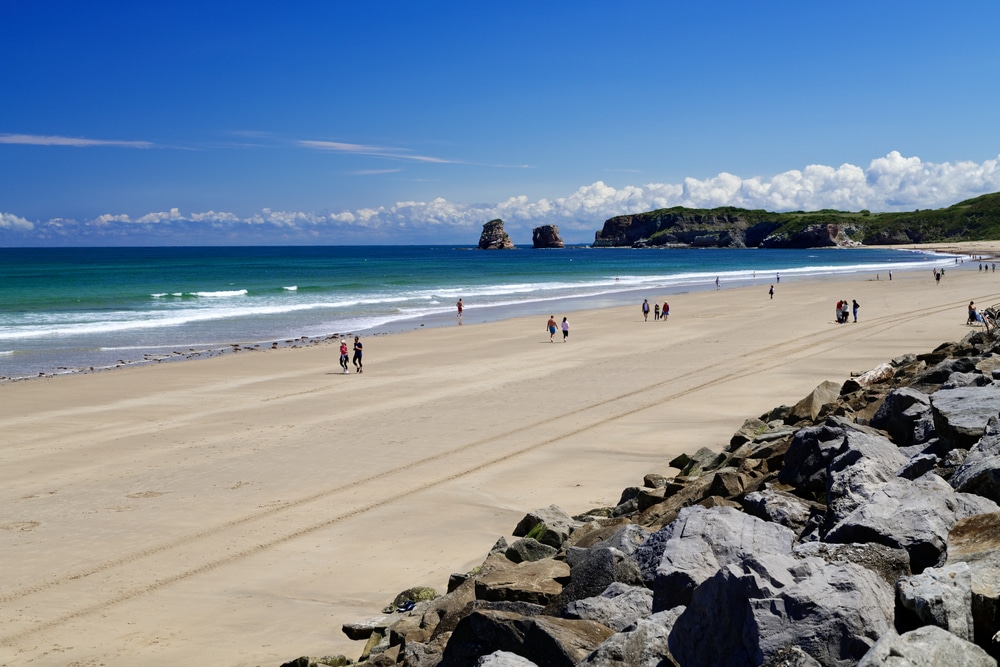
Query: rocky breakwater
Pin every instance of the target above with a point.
(857, 527)
(494, 237)
(546, 236)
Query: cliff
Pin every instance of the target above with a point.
(729, 227)
(494, 237)
(547, 236)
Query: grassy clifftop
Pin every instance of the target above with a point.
(971, 220)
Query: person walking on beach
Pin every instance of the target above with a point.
(656, 311)
(645, 310)
(716, 283)
(551, 325)
(665, 312)
(343, 354)
(770, 292)
(460, 309)
(358, 347)
(565, 329)
(854, 307)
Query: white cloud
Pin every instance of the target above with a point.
(78, 142)
(10, 221)
(375, 151)
(890, 183)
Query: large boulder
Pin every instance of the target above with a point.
(808, 456)
(751, 610)
(537, 582)
(545, 640)
(701, 541)
(961, 414)
(809, 408)
(618, 606)
(929, 646)
(546, 236)
(643, 644)
(980, 472)
(551, 526)
(976, 541)
(938, 596)
(494, 237)
(906, 415)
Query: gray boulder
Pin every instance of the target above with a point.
(593, 570)
(808, 455)
(976, 541)
(551, 526)
(915, 516)
(810, 407)
(701, 540)
(618, 607)
(544, 640)
(529, 549)
(783, 508)
(929, 646)
(939, 596)
(940, 372)
(504, 659)
(979, 473)
(906, 416)
(889, 564)
(857, 472)
(749, 611)
(961, 414)
(643, 645)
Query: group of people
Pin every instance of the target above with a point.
(358, 348)
(844, 310)
(658, 314)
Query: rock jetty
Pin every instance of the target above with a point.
(546, 236)
(494, 237)
(860, 526)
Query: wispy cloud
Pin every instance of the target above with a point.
(373, 172)
(374, 151)
(79, 142)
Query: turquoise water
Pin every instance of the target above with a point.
(66, 309)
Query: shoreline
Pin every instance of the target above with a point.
(495, 312)
(242, 509)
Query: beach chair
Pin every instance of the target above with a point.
(990, 318)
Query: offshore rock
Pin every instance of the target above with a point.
(547, 236)
(494, 237)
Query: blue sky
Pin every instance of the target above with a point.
(188, 123)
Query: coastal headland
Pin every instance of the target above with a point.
(238, 510)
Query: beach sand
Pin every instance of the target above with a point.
(239, 510)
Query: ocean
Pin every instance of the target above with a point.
(66, 310)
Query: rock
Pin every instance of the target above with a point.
(363, 629)
(941, 597)
(546, 236)
(857, 472)
(701, 541)
(494, 237)
(941, 371)
(929, 646)
(695, 464)
(553, 642)
(811, 406)
(961, 414)
(751, 429)
(888, 563)
(881, 373)
(593, 570)
(749, 611)
(808, 455)
(529, 549)
(979, 473)
(551, 526)
(504, 659)
(915, 516)
(976, 541)
(644, 644)
(782, 508)
(918, 466)
(537, 582)
(618, 606)
(906, 415)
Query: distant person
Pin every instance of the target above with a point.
(837, 311)
(645, 310)
(845, 311)
(460, 309)
(343, 354)
(358, 349)
(890, 275)
(716, 282)
(777, 277)
(974, 316)
(666, 311)
(551, 325)
(565, 329)
(854, 308)
(770, 292)
(656, 311)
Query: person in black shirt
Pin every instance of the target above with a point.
(357, 354)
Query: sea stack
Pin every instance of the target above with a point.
(547, 236)
(494, 237)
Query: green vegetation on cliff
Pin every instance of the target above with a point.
(975, 219)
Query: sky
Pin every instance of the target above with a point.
(337, 123)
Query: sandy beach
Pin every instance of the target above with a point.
(238, 510)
